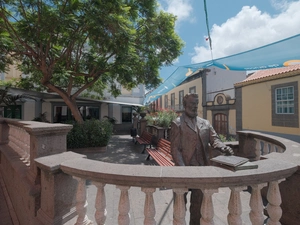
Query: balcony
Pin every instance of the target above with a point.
(48, 185)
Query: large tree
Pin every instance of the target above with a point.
(71, 46)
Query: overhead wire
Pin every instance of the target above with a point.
(207, 27)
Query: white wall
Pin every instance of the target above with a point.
(219, 80)
(29, 110)
(103, 110)
(117, 113)
(46, 107)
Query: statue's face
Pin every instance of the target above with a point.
(191, 107)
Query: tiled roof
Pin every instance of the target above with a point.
(255, 77)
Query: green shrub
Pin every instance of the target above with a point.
(224, 139)
(92, 133)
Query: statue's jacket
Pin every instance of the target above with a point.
(184, 137)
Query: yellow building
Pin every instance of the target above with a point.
(215, 88)
(268, 101)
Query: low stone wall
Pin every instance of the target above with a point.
(22, 191)
(21, 142)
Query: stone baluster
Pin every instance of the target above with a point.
(149, 208)
(273, 148)
(235, 206)
(100, 204)
(279, 149)
(258, 152)
(81, 203)
(207, 208)
(256, 205)
(124, 206)
(266, 148)
(274, 201)
(179, 206)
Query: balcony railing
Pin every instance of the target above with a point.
(60, 180)
(180, 179)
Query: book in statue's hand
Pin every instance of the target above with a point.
(234, 162)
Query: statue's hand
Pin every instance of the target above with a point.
(227, 150)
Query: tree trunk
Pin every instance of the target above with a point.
(75, 111)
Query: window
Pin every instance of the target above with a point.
(285, 104)
(13, 111)
(192, 90)
(166, 101)
(220, 123)
(181, 95)
(126, 113)
(173, 101)
(285, 100)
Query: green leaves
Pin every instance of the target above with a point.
(73, 43)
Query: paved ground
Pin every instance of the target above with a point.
(123, 150)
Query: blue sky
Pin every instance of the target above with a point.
(235, 26)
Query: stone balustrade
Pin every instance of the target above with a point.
(50, 187)
(179, 179)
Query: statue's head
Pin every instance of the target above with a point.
(190, 104)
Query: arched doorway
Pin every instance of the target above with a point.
(221, 123)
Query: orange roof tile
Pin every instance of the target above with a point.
(270, 72)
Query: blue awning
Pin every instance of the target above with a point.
(278, 54)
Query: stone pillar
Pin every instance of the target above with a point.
(3, 131)
(45, 139)
(143, 124)
(247, 146)
(58, 190)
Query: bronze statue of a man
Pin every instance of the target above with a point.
(190, 140)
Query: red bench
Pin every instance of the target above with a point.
(162, 153)
(145, 139)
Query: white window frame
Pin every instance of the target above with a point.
(285, 100)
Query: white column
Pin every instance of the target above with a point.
(100, 204)
(235, 206)
(273, 207)
(256, 205)
(149, 208)
(207, 208)
(81, 203)
(179, 206)
(124, 206)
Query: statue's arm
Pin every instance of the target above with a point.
(216, 142)
(176, 150)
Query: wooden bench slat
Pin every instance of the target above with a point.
(144, 139)
(162, 153)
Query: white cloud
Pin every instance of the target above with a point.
(249, 29)
(181, 8)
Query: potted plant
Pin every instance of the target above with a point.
(160, 122)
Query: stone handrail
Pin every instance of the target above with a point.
(256, 146)
(179, 179)
(56, 180)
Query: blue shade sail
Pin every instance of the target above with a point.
(278, 54)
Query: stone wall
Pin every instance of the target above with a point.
(21, 142)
